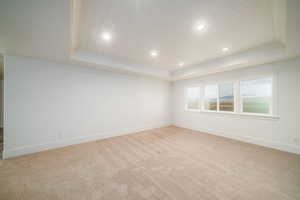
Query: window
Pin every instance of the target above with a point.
(238, 97)
(211, 97)
(256, 96)
(226, 97)
(193, 98)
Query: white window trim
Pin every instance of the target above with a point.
(237, 98)
(203, 98)
(272, 98)
(218, 97)
(234, 95)
(186, 99)
(238, 115)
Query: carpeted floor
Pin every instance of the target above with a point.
(166, 163)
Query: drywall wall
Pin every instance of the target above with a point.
(49, 105)
(1, 90)
(282, 133)
(1, 103)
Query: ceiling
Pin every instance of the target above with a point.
(70, 31)
(169, 26)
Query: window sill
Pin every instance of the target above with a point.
(234, 114)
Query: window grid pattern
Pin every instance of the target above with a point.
(249, 96)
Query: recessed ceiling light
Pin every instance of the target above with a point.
(154, 53)
(106, 36)
(180, 64)
(200, 27)
(225, 49)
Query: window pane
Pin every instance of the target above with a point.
(256, 95)
(211, 96)
(193, 98)
(226, 101)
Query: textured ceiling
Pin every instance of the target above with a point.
(168, 26)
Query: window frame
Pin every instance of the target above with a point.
(234, 97)
(186, 98)
(237, 100)
(203, 98)
(218, 97)
(271, 106)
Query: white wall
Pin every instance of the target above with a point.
(48, 105)
(1, 90)
(1, 103)
(283, 133)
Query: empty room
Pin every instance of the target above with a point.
(149, 99)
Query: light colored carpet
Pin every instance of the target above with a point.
(167, 163)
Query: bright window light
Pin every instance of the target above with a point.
(226, 97)
(256, 96)
(211, 97)
(193, 98)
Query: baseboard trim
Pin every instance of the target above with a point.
(24, 150)
(269, 144)
(57, 144)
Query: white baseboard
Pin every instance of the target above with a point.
(62, 143)
(52, 145)
(270, 144)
